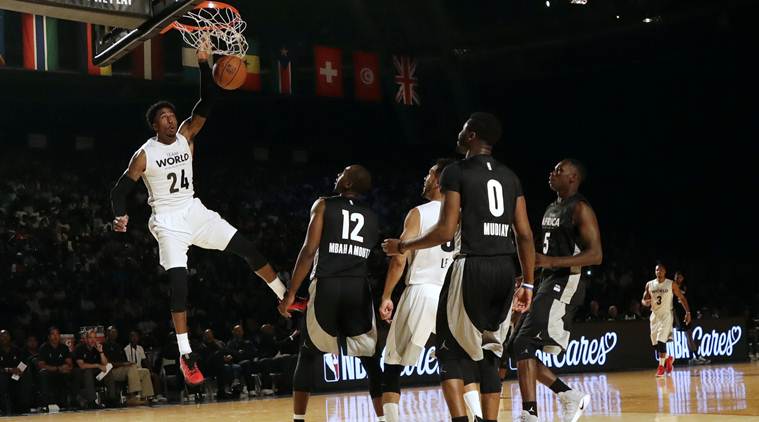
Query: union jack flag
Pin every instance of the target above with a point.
(406, 79)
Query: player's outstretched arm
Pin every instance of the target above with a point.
(590, 236)
(306, 256)
(443, 231)
(526, 254)
(208, 93)
(411, 228)
(123, 187)
(683, 301)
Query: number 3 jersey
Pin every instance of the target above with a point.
(428, 266)
(349, 233)
(168, 175)
(489, 192)
(661, 298)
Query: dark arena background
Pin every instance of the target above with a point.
(656, 97)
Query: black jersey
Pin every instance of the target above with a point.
(489, 192)
(349, 233)
(559, 233)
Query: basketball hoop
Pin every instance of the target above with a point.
(216, 22)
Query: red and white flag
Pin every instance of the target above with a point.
(328, 64)
(408, 85)
(367, 77)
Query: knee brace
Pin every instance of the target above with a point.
(391, 379)
(490, 382)
(244, 248)
(374, 372)
(178, 284)
(661, 347)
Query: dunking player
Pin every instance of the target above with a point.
(484, 199)
(658, 295)
(179, 219)
(414, 318)
(340, 315)
(687, 328)
(571, 239)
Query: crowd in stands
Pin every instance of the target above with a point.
(62, 266)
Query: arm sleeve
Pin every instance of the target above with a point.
(450, 180)
(208, 91)
(119, 194)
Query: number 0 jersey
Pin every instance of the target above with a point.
(168, 174)
(489, 192)
(349, 233)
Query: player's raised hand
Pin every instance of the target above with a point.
(120, 223)
(205, 48)
(522, 300)
(390, 246)
(386, 310)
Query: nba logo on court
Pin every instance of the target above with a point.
(331, 367)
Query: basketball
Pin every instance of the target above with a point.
(229, 72)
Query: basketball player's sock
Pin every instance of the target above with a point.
(662, 359)
(472, 400)
(184, 344)
(460, 419)
(530, 407)
(278, 287)
(558, 386)
(391, 412)
(381, 419)
(299, 418)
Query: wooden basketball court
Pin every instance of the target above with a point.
(719, 393)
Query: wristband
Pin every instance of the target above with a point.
(527, 286)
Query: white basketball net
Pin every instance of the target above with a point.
(222, 26)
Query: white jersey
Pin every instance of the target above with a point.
(429, 266)
(168, 175)
(661, 298)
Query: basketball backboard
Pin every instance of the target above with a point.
(119, 26)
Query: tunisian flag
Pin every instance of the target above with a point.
(367, 78)
(328, 65)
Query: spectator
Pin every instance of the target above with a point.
(55, 366)
(138, 380)
(215, 363)
(136, 355)
(15, 394)
(613, 314)
(31, 357)
(243, 353)
(90, 361)
(594, 314)
(633, 311)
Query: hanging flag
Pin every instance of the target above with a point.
(2, 38)
(366, 78)
(253, 67)
(328, 65)
(147, 60)
(87, 64)
(406, 79)
(284, 73)
(40, 35)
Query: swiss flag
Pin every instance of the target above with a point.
(329, 71)
(367, 78)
